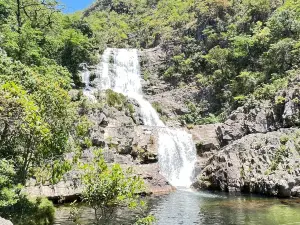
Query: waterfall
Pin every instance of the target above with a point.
(85, 76)
(119, 70)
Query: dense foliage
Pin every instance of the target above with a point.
(233, 50)
(40, 53)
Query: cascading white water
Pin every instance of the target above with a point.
(88, 90)
(119, 70)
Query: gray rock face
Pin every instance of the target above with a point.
(145, 145)
(243, 121)
(257, 163)
(173, 103)
(171, 98)
(154, 181)
(205, 138)
(5, 222)
(265, 116)
(123, 141)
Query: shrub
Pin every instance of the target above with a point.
(115, 99)
(38, 211)
(106, 188)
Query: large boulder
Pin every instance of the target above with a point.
(145, 145)
(205, 138)
(257, 163)
(5, 222)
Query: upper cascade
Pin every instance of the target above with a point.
(119, 70)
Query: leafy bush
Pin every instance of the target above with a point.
(108, 187)
(39, 211)
(115, 99)
(8, 189)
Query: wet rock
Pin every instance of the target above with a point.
(145, 145)
(283, 189)
(155, 182)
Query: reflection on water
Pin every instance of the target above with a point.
(186, 207)
(180, 207)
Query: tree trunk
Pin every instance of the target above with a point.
(18, 14)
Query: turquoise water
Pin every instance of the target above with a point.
(187, 207)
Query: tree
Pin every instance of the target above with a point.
(109, 187)
(37, 117)
(23, 130)
(38, 12)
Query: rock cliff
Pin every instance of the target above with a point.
(257, 163)
(260, 148)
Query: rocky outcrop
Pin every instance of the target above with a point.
(154, 181)
(257, 163)
(205, 138)
(263, 116)
(245, 121)
(67, 190)
(5, 222)
(151, 61)
(171, 99)
(145, 145)
(135, 147)
(70, 188)
(172, 104)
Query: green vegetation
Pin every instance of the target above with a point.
(281, 153)
(109, 187)
(115, 99)
(236, 50)
(38, 211)
(196, 115)
(40, 53)
(157, 106)
(120, 102)
(146, 74)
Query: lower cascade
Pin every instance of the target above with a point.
(119, 70)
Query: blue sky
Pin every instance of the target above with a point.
(75, 5)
